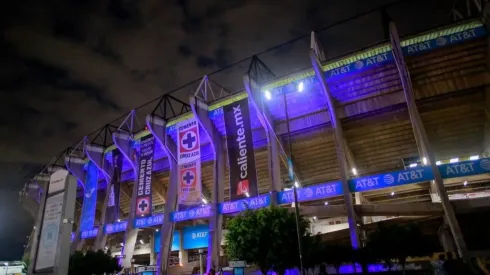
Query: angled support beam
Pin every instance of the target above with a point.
(340, 149)
(157, 127)
(486, 130)
(74, 165)
(424, 141)
(96, 155)
(123, 141)
(200, 110)
(274, 149)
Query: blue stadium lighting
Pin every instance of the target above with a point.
(301, 86)
(268, 95)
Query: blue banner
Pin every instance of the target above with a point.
(111, 228)
(191, 214)
(196, 237)
(314, 192)
(391, 179)
(148, 221)
(244, 204)
(89, 198)
(175, 241)
(88, 234)
(465, 168)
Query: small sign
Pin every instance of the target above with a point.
(140, 269)
(235, 264)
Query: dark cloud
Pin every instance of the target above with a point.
(69, 67)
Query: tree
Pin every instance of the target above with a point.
(398, 242)
(266, 237)
(90, 263)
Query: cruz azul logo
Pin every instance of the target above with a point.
(189, 148)
(188, 177)
(143, 206)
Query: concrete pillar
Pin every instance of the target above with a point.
(123, 142)
(200, 110)
(96, 155)
(153, 255)
(424, 141)
(75, 167)
(183, 254)
(274, 149)
(340, 149)
(486, 133)
(157, 127)
(446, 239)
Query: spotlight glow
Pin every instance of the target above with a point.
(122, 244)
(453, 160)
(301, 86)
(268, 95)
(142, 242)
(247, 195)
(424, 160)
(314, 217)
(354, 171)
(296, 184)
(413, 165)
(438, 162)
(474, 157)
(465, 183)
(204, 201)
(326, 203)
(392, 193)
(118, 220)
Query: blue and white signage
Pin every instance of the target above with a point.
(148, 221)
(116, 227)
(244, 204)
(391, 179)
(314, 192)
(465, 168)
(196, 237)
(88, 234)
(175, 241)
(191, 214)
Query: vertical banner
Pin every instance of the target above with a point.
(112, 213)
(143, 199)
(189, 160)
(243, 175)
(89, 197)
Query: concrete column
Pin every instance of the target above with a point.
(274, 149)
(446, 239)
(96, 155)
(340, 149)
(123, 142)
(75, 167)
(200, 110)
(37, 226)
(183, 254)
(157, 127)
(424, 141)
(153, 255)
(486, 133)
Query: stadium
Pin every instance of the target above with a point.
(396, 131)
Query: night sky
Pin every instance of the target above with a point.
(69, 67)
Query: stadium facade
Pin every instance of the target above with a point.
(397, 130)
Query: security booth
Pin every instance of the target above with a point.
(238, 267)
